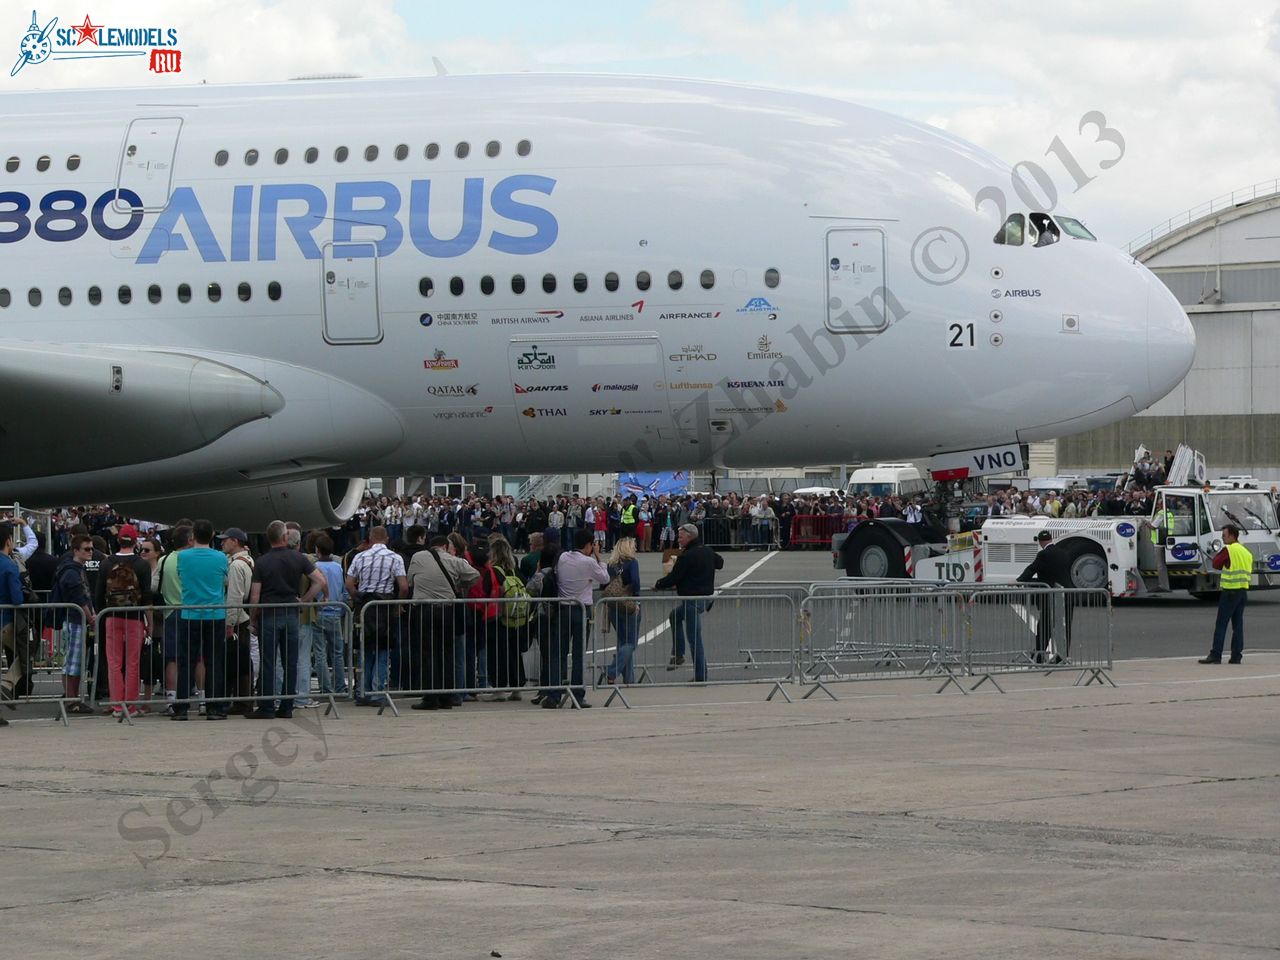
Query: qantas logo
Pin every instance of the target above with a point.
(541, 388)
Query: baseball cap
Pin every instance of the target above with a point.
(235, 533)
(1044, 535)
(128, 532)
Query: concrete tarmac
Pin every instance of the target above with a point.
(1053, 821)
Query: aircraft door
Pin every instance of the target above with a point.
(596, 394)
(146, 164)
(1175, 525)
(349, 282)
(856, 282)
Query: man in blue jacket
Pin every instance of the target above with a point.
(71, 585)
(10, 593)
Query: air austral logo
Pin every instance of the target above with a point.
(92, 41)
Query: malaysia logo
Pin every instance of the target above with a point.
(624, 387)
(40, 44)
(757, 305)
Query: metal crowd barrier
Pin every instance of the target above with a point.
(737, 533)
(443, 651)
(218, 674)
(955, 631)
(42, 643)
(665, 640)
(816, 529)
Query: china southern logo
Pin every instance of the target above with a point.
(39, 44)
(757, 305)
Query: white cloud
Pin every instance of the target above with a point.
(1191, 87)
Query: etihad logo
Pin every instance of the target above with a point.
(532, 412)
(542, 388)
(764, 351)
(439, 361)
(624, 387)
(689, 315)
(453, 390)
(605, 412)
(692, 351)
(535, 359)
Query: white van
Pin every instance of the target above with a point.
(887, 480)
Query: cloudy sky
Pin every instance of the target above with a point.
(1191, 87)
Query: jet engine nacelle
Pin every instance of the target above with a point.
(312, 503)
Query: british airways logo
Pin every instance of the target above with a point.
(362, 219)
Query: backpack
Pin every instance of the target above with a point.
(123, 588)
(516, 613)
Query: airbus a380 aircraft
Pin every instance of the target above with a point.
(224, 300)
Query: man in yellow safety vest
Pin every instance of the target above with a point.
(1236, 563)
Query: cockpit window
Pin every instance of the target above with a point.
(1047, 231)
(1012, 230)
(1075, 228)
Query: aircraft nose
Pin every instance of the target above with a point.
(1171, 341)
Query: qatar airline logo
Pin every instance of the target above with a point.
(93, 41)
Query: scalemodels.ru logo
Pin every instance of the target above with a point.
(91, 41)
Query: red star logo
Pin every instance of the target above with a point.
(87, 31)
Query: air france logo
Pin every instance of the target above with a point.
(91, 41)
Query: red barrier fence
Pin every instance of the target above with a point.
(816, 528)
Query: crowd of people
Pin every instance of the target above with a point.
(188, 618)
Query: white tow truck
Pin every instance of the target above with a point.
(1172, 549)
